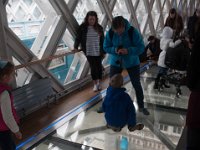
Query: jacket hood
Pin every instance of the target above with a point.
(167, 33)
(113, 94)
(127, 25)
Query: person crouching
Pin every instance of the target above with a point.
(118, 107)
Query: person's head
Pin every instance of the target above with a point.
(172, 13)
(197, 12)
(6, 70)
(118, 25)
(116, 81)
(167, 33)
(151, 39)
(91, 18)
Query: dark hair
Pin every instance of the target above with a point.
(6, 69)
(172, 11)
(91, 13)
(118, 22)
(151, 37)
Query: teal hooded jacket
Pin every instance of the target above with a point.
(134, 47)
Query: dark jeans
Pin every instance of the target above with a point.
(6, 141)
(162, 71)
(193, 139)
(134, 74)
(95, 66)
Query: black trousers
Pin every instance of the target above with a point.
(95, 66)
(6, 141)
(193, 139)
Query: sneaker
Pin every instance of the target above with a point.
(95, 88)
(138, 126)
(144, 110)
(115, 129)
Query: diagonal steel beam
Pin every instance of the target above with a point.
(149, 7)
(72, 5)
(132, 11)
(24, 55)
(104, 6)
(62, 9)
(54, 39)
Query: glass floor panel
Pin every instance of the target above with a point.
(163, 127)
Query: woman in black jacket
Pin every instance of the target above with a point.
(90, 35)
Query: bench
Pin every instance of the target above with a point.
(33, 96)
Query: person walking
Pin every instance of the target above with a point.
(90, 36)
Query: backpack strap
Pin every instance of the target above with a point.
(111, 33)
(130, 33)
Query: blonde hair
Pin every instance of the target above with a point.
(116, 81)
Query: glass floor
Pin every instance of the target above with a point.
(163, 127)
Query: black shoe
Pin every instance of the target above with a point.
(115, 129)
(144, 110)
(166, 86)
(100, 110)
(138, 126)
(155, 86)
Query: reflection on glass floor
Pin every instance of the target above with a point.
(163, 127)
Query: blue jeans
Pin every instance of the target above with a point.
(134, 74)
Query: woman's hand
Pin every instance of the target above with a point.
(18, 135)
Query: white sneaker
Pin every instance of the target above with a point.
(95, 88)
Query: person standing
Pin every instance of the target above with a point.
(124, 49)
(174, 21)
(90, 36)
(193, 23)
(8, 115)
(193, 82)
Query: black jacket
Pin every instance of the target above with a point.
(191, 26)
(82, 35)
(193, 72)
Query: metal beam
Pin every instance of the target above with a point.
(4, 54)
(105, 8)
(149, 7)
(62, 9)
(106, 20)
(53, 40)
(132, 11)
(24, 55)
(161, 19)
(72, 5)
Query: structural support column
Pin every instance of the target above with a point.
(4, 54)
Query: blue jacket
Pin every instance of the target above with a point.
(118, 107)
(135, 47)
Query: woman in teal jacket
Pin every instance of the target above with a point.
(124, 46)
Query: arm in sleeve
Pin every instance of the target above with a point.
(108, 45)
(101, 41)
(138, 43)
(7, 112)
(131, 112)
(78, 37)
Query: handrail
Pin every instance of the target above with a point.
(33, 62)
